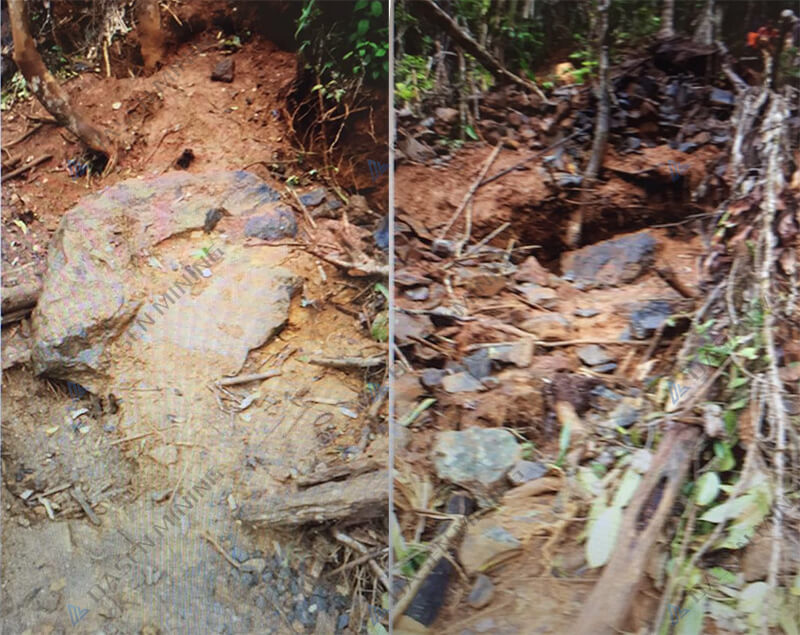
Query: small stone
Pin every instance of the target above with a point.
(585, 313)
(478, 364)
(531, 271)
(418, 294)
(239, 554)
(206, 273)
(721, 97)
(461, 382)
(525, 471)
(478, 457)
(482, 592)
(605, 368)
(486, 543)
(313, 198)
(432, 377)
(381, 234)
(594, 355)
(442, 247)
(648, 317)
(624, 415)
(552, 326)
(223, 71)
(542, 296)
(281, 223)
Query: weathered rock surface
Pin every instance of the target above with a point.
(611, 262)
(476, 458)
(486, 544)
(109, 259)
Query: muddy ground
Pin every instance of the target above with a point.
(153, 429)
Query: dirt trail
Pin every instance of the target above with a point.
(156, 429)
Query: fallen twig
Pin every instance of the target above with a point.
(25, 135)
(473, 188)
(77, 494)
(348, 362)
(221, 551)
(27, 167)
(439, 548)
(243, 379)
(357, 546)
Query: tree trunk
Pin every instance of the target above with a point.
(449, 26)
(704, 33)
(48, 91)
(667, 20)
(151, 38)
(574, 228)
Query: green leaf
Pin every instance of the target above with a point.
(362, 28)
(360, 5)
(563, 442)
(707, 488)
(603, 537)
(380, 327)
(724, 576)
(376, 8)
(739, 403)
(471, 133)
(692, 622)
(748, 353)
(725, 460)
(753, 602)
(737, 381)
(627, 488)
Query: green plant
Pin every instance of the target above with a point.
(587, 65)
(361, 43)
(17, 90)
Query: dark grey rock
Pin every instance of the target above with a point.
(314, 197)
(418, 294)
(342, 622)
(461, 382)
(223, 71)
(482, 592)
(478, 457)
(648, 317)
(624, 415)
(570, 180)
(611, 262)
(721, 97)
(381, 235)
(594, 355)
(478, 364)
(432, 377)
(605, 368)
(238, 554)
(525, 471)
(280, 224)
